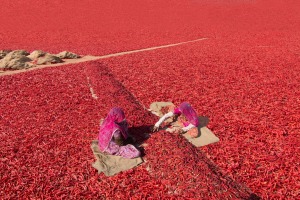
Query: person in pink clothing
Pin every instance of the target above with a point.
(113, 133)
(189, 119)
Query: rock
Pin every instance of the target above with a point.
(18, 62)
(15, 60)
(48, 59)
(3, 53)
(16, 54)
(36, 54)
(67, 55)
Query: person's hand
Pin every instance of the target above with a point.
(155, 128)
(180, 131)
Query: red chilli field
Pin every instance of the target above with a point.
(244, 77)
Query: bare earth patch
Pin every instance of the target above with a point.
(39, 59)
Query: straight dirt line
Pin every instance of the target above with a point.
(91, 58)
(149, 49)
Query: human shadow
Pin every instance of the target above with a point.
(139, 135)
(203, 121)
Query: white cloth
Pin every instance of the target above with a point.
(163, 118)
(187, 128)
(170, 114)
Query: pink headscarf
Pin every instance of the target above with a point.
(190, 114)
(110, 125)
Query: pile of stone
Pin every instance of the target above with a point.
(21, 59)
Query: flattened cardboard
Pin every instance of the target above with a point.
(206, 137)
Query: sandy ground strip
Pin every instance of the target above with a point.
(90, 58)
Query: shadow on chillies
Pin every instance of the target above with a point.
(139, 135)
(253, 197)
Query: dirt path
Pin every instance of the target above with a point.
(90, 58)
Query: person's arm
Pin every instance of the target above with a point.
(163, 118)
(187, 128)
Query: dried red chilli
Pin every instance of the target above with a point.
(245, 78)
(245, 167)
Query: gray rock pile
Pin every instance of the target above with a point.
(21, 59)
(67, 55)
(15, 60)
(3, 53)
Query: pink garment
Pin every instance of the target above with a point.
(128, 151)
(190, 114)
(115, 126)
